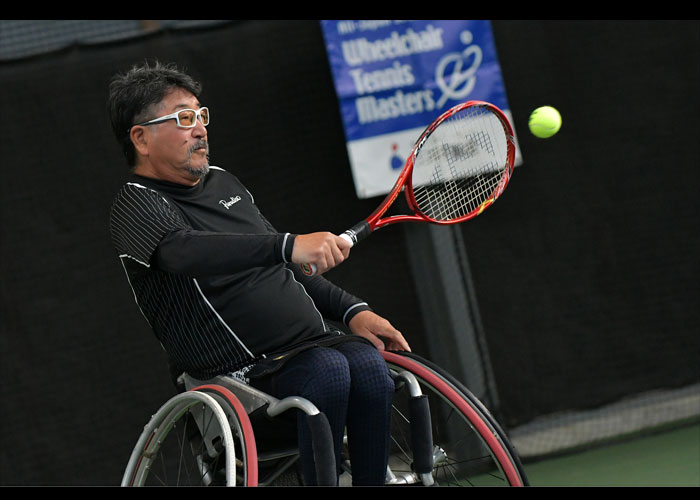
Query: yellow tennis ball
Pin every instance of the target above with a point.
(544, 122)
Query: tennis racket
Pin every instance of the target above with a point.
(458, 167)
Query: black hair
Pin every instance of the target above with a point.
(132, 95)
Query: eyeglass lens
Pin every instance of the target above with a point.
(187, 117)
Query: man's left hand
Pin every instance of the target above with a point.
(371, 326)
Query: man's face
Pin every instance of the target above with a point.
(175, 152)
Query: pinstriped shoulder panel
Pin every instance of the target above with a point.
(139, 219)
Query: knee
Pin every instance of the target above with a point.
(329, 374)
(371, 377)
(382, 381)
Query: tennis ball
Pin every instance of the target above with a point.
(544, 122)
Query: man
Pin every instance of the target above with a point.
(223, 290)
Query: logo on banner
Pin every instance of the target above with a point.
(455, 73)
(397, 161)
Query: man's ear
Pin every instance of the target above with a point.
(139, 138)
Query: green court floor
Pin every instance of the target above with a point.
(671, 458)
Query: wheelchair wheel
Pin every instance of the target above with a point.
(470, 448)
(201, 437)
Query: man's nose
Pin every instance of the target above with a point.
(199, 130)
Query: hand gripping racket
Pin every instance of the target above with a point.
(459, 166)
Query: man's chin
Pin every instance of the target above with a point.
(198, 172)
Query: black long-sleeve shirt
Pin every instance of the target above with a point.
(212, 276)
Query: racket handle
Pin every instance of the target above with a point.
(356, 233)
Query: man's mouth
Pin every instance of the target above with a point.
(200, 147)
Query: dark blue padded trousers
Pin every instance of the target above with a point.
(351, 384)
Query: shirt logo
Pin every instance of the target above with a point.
(232, 201)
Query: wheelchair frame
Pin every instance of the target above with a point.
(430, 405)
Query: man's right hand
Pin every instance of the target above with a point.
(324, 250)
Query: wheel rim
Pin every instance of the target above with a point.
(469, 450)
(175, 453)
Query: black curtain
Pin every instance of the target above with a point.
(586, 270)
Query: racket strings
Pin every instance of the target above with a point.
(453, 199)
(461, 165)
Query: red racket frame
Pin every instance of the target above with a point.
(375, 221)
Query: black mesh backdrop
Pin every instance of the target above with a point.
(585, 270)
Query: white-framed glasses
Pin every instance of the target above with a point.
(186, 118)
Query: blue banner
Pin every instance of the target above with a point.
(393, 78)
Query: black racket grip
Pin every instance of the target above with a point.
(357, 233)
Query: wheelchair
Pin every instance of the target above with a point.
(227, 433)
